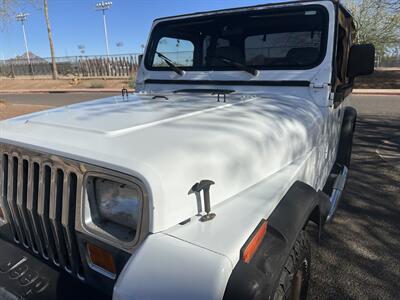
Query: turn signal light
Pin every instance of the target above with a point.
(254, 242)
(101, 258)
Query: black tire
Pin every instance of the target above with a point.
(295, 276)
(346, 137)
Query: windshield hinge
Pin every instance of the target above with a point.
(315, 85)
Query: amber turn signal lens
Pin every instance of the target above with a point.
(254, 241)
(101, 258)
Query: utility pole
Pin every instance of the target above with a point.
(103, 6)
(21, 17)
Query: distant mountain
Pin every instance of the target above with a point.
(22, 57)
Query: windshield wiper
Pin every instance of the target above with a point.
(238, 65)
(170, 63)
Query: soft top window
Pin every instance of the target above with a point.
(285, 38)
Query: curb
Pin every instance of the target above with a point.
(377, 92)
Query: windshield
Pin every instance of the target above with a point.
(285, 38)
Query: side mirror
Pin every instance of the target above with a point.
(361, 60)
(140, 58)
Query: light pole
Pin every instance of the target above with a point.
(103, 6)
(21, 17)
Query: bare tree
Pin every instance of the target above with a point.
(50, 35)
(377, 22)
(8, 9)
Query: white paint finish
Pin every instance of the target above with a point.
(236, 145)
(237, 217)
(171, 269)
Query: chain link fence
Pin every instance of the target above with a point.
(115, 66)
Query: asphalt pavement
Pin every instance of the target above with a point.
(359, 256)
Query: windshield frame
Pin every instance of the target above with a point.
(154, 38)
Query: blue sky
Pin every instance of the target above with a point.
(76, 22)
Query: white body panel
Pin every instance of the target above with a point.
(241, 144)
(172, 144)
(171, 269)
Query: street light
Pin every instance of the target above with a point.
(21, 17)
(103, 6)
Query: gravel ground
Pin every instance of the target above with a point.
(48, 84)
(359, 257)
(53, 99)
(12, 110)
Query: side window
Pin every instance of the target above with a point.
(343, 49)
(179, 51)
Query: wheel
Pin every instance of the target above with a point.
(345, 146)
(295, 276)
(346, 137)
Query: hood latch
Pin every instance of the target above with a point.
(204, 186)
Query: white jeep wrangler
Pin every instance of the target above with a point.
(201, 184)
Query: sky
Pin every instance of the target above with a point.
(76, 22)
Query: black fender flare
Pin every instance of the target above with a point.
(346, 136)
(258, 278)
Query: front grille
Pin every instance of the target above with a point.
(38, 195)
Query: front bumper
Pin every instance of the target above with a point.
(23, 276)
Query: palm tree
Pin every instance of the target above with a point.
(53, 60)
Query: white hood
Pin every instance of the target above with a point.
(172, 144)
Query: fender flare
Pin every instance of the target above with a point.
(346, 136)
(258, 279)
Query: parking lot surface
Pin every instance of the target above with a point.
(359, 256)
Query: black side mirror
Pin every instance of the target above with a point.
(140, 58)
(361, 60)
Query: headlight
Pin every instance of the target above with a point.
(115, 207)
(118, 202)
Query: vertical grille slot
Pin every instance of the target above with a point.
(12, 198)
(22, 199)
(4, 193)
(55, 213)
(68, 222)
(32, 208)
(43, 211)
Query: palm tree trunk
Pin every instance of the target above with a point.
(53, 60)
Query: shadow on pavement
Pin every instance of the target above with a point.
(359, 257)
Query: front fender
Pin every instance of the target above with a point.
(168, 268)
(257, 280)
